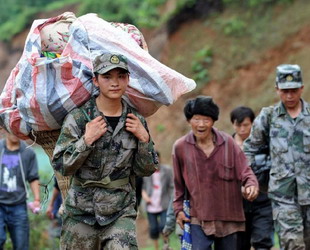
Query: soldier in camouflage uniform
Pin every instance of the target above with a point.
(285, 127)
(103, 145)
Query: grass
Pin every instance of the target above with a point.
(174, 243)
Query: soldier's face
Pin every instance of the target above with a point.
(243, 129)
(112, 84)
(201, 126)
(290, 97)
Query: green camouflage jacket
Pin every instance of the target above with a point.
(289, 143)
(116, 155)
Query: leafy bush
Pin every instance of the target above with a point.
(13, 27)
(140, 13)
(253, 3)
(15, 15)
(202, 59)
(233, 26)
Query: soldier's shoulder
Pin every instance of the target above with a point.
(75, 116)
(134, 111)
(76, 113)
(306, 104)
(269, 109)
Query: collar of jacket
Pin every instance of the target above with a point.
(281, 110)
(190, 138)
(91, 106)
(22, 145)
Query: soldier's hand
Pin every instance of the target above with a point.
(251, 193)
(134, 125)
(181, 219)
(94, 130)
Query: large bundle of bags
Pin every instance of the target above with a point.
(54, 74)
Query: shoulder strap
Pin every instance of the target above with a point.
(23, 174)
(270, 110)
(85, 114)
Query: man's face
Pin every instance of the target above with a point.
(12, 138)
(290, 97)
(112, 84)
(243, 129)
(201, 126)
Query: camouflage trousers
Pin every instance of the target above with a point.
(119, 235)
(292, 223)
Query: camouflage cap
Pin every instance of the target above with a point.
(288, 76)
(106, 62)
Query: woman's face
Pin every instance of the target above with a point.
(201, 126)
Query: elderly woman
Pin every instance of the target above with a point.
(211, 169)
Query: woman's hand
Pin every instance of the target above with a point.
(181, 219)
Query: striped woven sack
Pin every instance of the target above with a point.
(41, 91)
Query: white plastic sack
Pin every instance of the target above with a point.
(40, 91)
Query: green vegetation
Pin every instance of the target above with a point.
(19, 14)
(233, 26)
(253, 3)
(202, 60)
(141, 13)
(174, 243)
(160, 128)
(15, 15)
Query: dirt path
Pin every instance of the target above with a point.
(142, 231)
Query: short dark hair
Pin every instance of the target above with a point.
(202, 105)
(240, 113)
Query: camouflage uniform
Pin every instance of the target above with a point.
(289, 189)
(115, 157)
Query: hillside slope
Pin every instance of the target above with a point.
(243, 65)
(243, 71)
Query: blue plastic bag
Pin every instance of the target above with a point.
(186, 239)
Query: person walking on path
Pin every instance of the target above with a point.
(157, 192)
(18, 166)
(284, 128)
(103, 145)
(258, 213)
(211, 168)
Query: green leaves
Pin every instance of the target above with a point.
(202, 59)
(140, 13)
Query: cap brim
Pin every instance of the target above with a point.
(289, 85)
(107, 69)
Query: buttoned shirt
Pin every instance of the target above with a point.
(213, 182)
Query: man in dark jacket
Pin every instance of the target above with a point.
(18, 165)
(258, 213)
